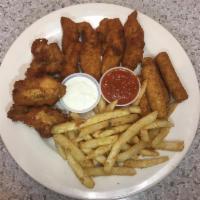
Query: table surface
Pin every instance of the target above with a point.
(181, 18)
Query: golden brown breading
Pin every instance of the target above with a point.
(170, 77)
(38, 91)
(70, 33)
(48, 59)
(70, 46)
(41, 118)
(134, 36)
(90, 55)
(111, 35)
(144, 105)
(155, 92)
(71, 59)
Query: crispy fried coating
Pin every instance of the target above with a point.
(70, 46)
(90, 55)
(38, 91)
(170, 77)
(155, 93)
(144, 105)
(47, 59)
(71, 59)
(134, 36)
(70, 33)
(111, 35)
(41, 118)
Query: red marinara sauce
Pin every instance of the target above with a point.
(120, 84)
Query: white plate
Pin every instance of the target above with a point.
(37, 157)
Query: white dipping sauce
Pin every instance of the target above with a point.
(82, 93)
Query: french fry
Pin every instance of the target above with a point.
(86, 150)
(99, 142)
(68, 145)
(144, 135)
(125, 147)
(125, 137)
(144, 163)
(64, 127)
(159, 123)
(134, 150)
(113, 130)
(153, 133)
(87, 163)
(61, 151)
(77, 118)
(104, 116)
(144, 105)
(141, 93)
(170, 145)
(101, 105)
(71, 135)
(91, 129)
(171, 107)
(124, 120)
(147, 152)
(134, 109)
(161, 135)
(99, 151)
(111, 106)
(96, 163)
(87, 137)
(96, 110)
(135, 140)
(82, 175)
(119, 171)
(96, 134)
(101, 159)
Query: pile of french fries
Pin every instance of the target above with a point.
(114, 141)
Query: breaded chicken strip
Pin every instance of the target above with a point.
(70, 46)
(41, 118)
(70, 33)
(134, 36)
(47, 59)
(90, 55)
(111, 36)
(38, 91)
(71, 59)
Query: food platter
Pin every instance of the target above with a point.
(38, 157)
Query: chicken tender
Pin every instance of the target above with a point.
(90, 55)
(134, 37)
(71, 59)
(155, 93)
(48, 58)
(38, 91)
(111, 36)
(170, 77)
(41, 118)
(70, 46)
(70, 33)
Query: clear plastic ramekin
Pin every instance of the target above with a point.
(122, 68)
(64, 106)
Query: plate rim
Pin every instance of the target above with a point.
(129, 192)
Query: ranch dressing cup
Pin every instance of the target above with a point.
(82, 93)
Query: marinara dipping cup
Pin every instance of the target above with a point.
(82, 93)
(120, 84)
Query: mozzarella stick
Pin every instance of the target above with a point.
(170, 77)
(155, 92)
(144, 105)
